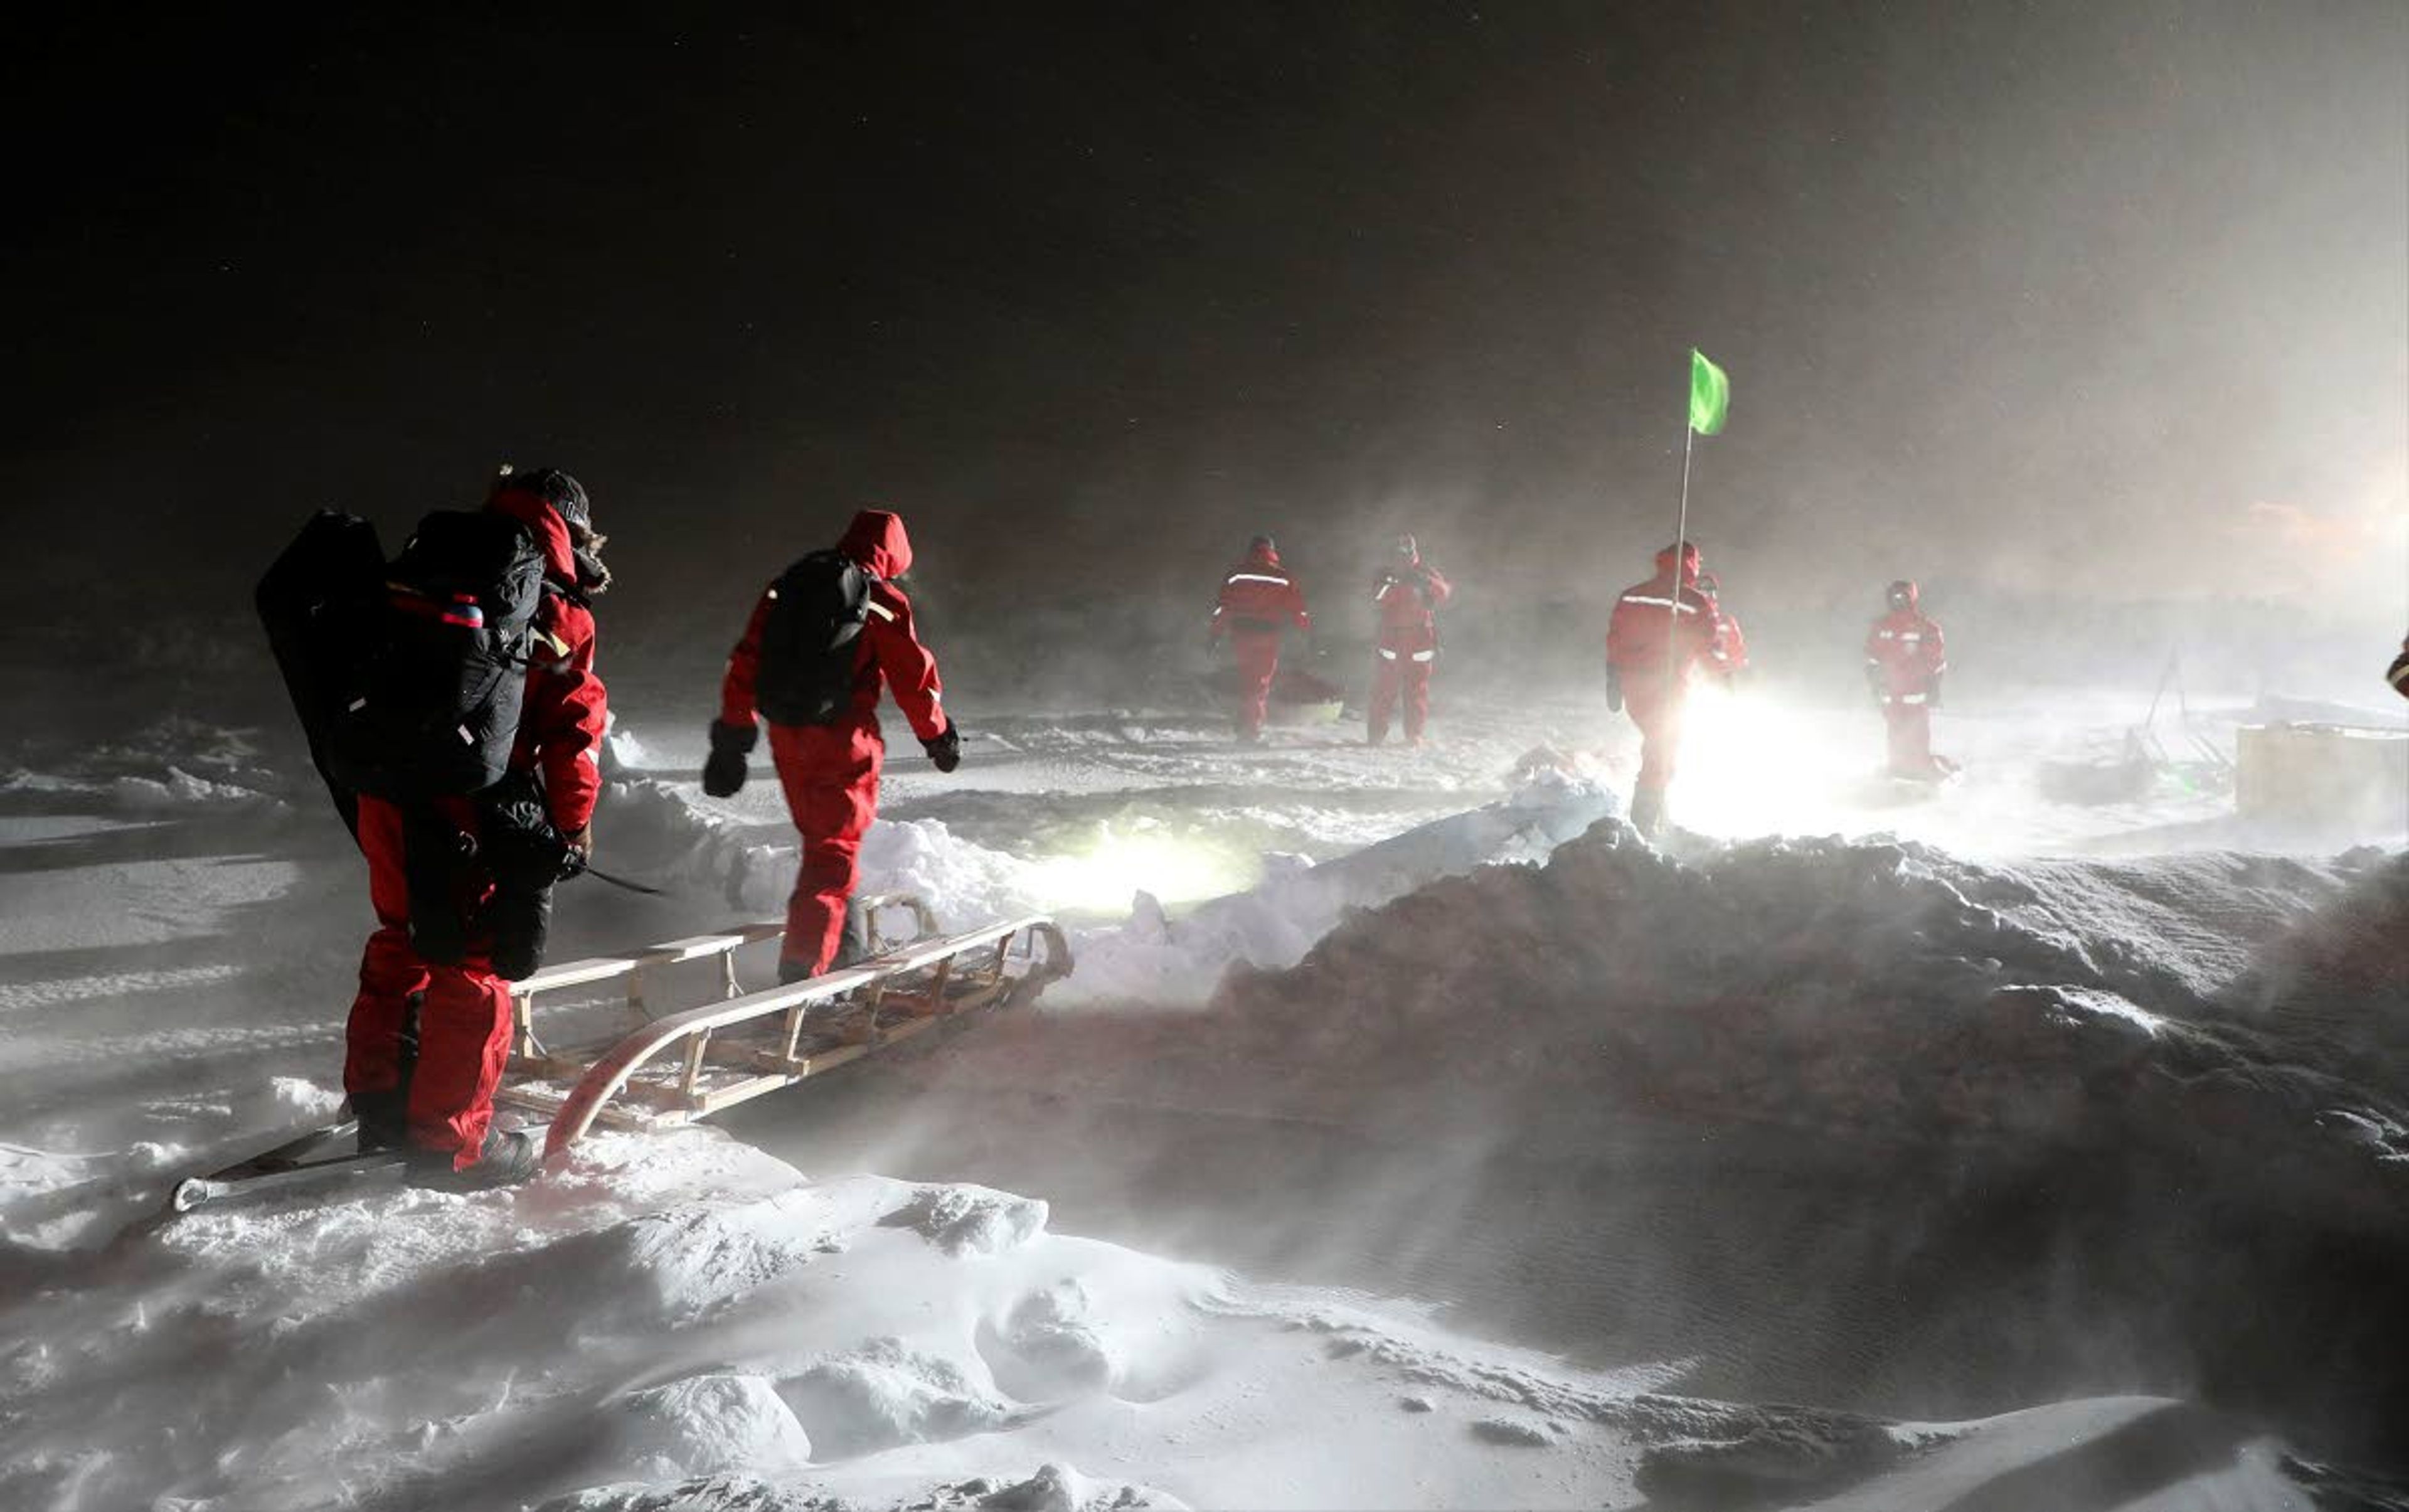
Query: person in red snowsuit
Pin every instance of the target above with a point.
(1729, 659)
(1662, 632)
(427, 1039)
(1260, 602)
(1406, 592)
(829, 772)
(1904, 659)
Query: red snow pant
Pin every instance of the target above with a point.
(1257, 653)
(1402, 664)
(440, 1034)
(1658, 714)
(830, 776)
(1911, 736)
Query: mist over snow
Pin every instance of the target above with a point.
(1408, 1135)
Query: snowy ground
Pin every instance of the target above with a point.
(1187, 1237)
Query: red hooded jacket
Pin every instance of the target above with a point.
(566, 708)
(1904, 648)
(889, 651)
(1259, 595)
(1657, 628)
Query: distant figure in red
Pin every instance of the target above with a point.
(1904, 660)
(829, 770)
(427, 1039)
(1260, 602)
(1664, 632)
(1407, 589)
(1729, 660)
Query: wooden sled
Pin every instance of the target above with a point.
(692, 1064)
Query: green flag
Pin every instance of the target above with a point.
(1709, 394)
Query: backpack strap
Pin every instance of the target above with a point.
(546, 650)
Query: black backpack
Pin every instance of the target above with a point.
(409, 676)
(811, 640)
(318, 601)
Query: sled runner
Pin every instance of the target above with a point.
(686, 1065)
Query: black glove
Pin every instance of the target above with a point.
(521, 846)
(946, 749)
(527, 854)
(723, 774)
(1614, 690)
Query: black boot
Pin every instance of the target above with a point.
(507, 1157)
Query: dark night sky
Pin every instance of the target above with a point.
(2010, 292)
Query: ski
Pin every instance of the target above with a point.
(239, 1184)
(319, 1156)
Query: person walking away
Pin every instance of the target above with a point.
(1406, 592)
(1260, 602)
(1729, 659)
(1662, 634)
(1904, 659)
(430, 1032)
(823, 640)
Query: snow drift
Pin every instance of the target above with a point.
(2102, 1124)
(683, 1323)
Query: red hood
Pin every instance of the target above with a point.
(1689, 562)
(877, 541)
(1914, 597)
(1261, 556)
(551, 531)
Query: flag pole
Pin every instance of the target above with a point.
(1680, 545)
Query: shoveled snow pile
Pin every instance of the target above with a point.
(1155, 957)
(1161, 960)
(753, 868)
(1888, 989)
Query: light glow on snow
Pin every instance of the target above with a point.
(1103, 876)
